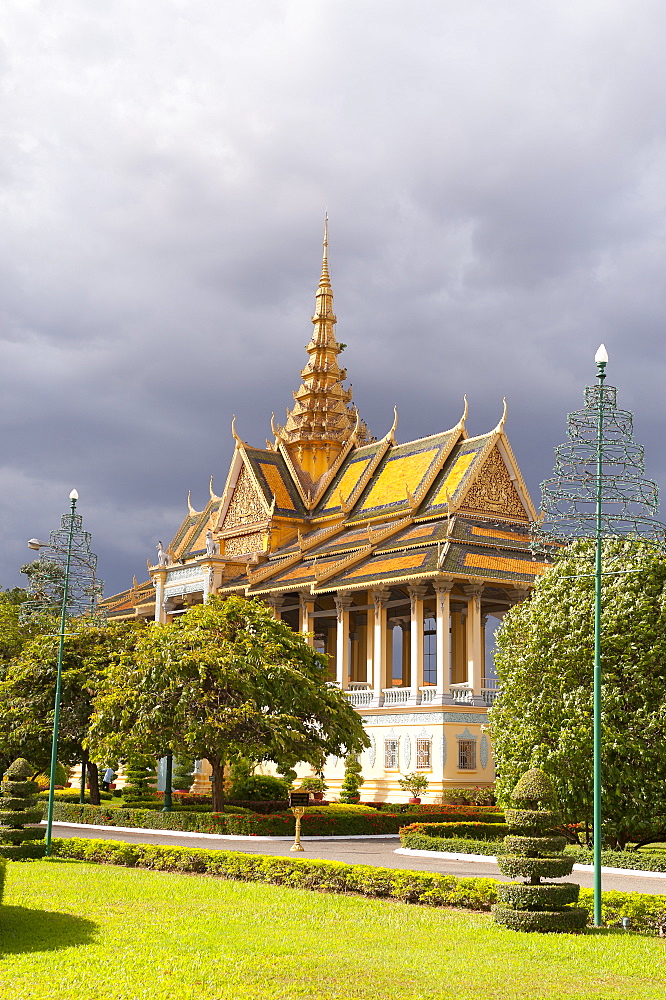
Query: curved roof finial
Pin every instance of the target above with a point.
(391, 434)
(213, 495)
(192, 512)
(461, 422)
(233, 430)
(500, 426)
(275, 430)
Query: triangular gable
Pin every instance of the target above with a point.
(246, 504)
(494, 492)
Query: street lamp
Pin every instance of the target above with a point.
(598, 491)
(34, 543)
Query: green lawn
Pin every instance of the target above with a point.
(74, 931)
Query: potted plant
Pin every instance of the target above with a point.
(317, 787)
(414, 783)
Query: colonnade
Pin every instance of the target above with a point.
(356, 632)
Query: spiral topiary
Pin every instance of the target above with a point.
(18, 808)
(353, 779)
(536, 853)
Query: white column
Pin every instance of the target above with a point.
(369, 648)
(443, 638)
(342, 604)
(160, 614)
(379, 597)
(474, 648)
(306, 605)
(208, 584)
(416, 595)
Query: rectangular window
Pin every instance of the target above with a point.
(467, 755)
(423, 755)
(391, 755)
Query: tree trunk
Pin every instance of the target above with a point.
(82, 787)
(217, 783)
(93, 783)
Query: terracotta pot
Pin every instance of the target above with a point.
(317, 796)
(414, 801)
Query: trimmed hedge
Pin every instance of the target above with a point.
(647, 913)
(456, 845)
(474, 831)
(326, 822)
(3, 872)
(471, 814)
(641, 861)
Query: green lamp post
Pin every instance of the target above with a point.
(598, 491)
(65, 580)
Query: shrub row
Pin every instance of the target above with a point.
(473, 831)
(3, 872)
(325, 876)
(481, 814)
(319, 823)
(455, 845)
(641, 861)
(646, 913)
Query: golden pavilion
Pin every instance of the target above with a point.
(390, 558)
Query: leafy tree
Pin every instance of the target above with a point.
(545, 663)
(225, 680)
(27, 693)
(13, 634)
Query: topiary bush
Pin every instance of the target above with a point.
(536, 852)
(141, 784)
(18, 808)
(182, 774)
(353, 779)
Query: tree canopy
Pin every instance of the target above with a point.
(544, 660)
(28, 687)
(225, 679)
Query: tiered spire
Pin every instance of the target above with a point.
(322, 419)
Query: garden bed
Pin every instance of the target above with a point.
(330, 821)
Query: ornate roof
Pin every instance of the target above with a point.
(323, 509)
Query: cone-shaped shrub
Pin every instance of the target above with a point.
(141, 772)
(18, 808)
(353, 779)
(182, 775)
(536, 853)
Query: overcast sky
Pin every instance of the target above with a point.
(495, 180)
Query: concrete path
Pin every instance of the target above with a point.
(379, 852)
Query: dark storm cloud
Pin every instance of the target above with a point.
(494, 176)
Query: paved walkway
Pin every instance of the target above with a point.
(378, 852)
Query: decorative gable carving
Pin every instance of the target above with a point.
(493, 492)
(246, 506)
